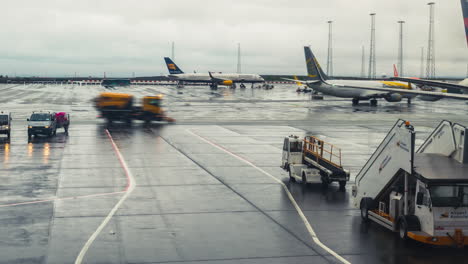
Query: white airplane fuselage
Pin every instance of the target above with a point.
(347, 88)
(205, 77)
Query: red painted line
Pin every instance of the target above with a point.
(80, 196)
(114, 146)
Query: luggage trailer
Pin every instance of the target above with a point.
(423, 194)
(312, 160)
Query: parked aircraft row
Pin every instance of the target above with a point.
(392, 90)
(214, 79)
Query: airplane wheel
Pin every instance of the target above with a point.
(355, 101)
(373, 102)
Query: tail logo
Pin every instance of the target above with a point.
(171, 66)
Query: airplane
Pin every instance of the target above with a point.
(428, 98)
(463, 85)
(214, 79)
(391, 91)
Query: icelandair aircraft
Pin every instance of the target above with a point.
(213, 78)
(392, 91)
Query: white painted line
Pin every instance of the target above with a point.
(290, 196)
(129, 190)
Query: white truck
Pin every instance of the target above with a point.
(422, 195)
(312, 160)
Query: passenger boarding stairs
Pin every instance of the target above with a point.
(392, 157)
(396, 155)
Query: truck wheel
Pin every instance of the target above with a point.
(8, 135)
(29, 137)
(291, 178)
(403, 232)
(324, 184)
(366, 204)
(55, 132)
(408, 223)
(342, 185)
(304, 179)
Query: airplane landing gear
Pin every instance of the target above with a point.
(355, 101)
(373, 102)
(409, 101)
(214, 86)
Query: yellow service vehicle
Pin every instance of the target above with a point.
(119, 107)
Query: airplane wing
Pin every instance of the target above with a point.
(416, 92)
(301, 81)
(431, 83)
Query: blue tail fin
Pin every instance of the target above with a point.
(172, 67)
(314, 71)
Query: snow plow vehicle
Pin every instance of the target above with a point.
(119, 107)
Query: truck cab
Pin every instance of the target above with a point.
(42, 123)
(5, 124)
(442, 210)
(292, 151)
(152, 108)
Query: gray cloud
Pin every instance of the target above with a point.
(121, 37)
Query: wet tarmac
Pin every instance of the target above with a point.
(205, 188)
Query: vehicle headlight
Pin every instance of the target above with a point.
(46, 126)
(29, 126)
(6, 127)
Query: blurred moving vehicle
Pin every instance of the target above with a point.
(5, 123)
(42, 123)
(119, 107)
(63, 120)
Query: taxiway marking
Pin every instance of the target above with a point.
(290, 196)
(128, 190)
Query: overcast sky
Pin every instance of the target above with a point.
(59, 38)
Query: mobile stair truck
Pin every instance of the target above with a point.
(312, 160)
(423, 194)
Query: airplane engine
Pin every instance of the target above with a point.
(393, 97)
(227, 82)
(429, 98)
